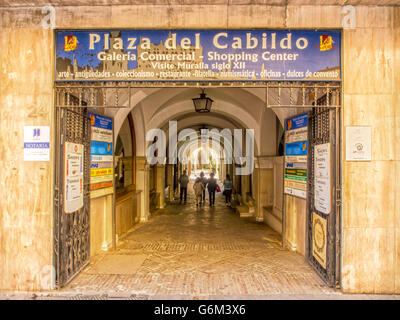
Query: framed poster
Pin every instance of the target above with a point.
(319, 241)
(322, 178)
(73, 176)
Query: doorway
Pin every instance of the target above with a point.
(285, 99)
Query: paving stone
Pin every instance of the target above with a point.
(200, 253)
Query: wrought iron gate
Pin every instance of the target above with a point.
(71, 231)
(323, 129)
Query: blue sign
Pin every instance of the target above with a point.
(296, 148)
(198, 55)
(296, 122)
(36, 145)
(101, 148)
(99, 121)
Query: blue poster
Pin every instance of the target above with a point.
(296, 122)
(99, 121)
(296, 148)
(198, 55)
(101, 148)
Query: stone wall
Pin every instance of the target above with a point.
(371, 87)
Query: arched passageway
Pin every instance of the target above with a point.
(245, 245)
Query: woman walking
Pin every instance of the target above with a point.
(198, 188)
(228, 185)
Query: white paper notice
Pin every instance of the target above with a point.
(73, 177)
(322, 178)
(36, 143)
(358, 143)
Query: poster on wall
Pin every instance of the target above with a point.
(198, 55)
(322, 178)
(73, 176)
(358, 143)
(296, 149)
(36, 143)
(319, 239)
(101, 155)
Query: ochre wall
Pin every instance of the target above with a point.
(26, 187)
(100, 224)
(126, 212)
(296, 216)
(371, 210)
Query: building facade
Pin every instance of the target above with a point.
(370, 232)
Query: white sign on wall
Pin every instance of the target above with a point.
(322, 178)
(36, 143)
(358, 143)
(73, 176)
(296, 192)
(100, 134)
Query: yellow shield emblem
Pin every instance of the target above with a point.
(70, 43)
(326, 42)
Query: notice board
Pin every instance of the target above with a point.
(296, 148)
(101, 156)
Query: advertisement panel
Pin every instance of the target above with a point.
(101, 156)
(101, 148)
(296, 150)
(198, 55)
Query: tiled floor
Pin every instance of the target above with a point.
(201, 252)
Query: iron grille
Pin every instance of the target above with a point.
(71, 231)
(323, 124)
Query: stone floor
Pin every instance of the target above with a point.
(185, 252)
(200, 251)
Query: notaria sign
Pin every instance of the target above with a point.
(198, 55)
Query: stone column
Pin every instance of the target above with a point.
(257, 192)
(170, 181)
(264, 187)
(160, 185)
(222, 171)
(245, 180)
(142, 184)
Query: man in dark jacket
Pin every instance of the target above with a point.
(211, 187)
(183, 180)
(204, 180)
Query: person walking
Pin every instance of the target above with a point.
(228, 186)
(183, 180)
(211, 186)
(204, 181)
(198, 188)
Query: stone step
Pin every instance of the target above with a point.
(244, 211)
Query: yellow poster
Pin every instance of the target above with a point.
(101, 172)
(319, 234)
